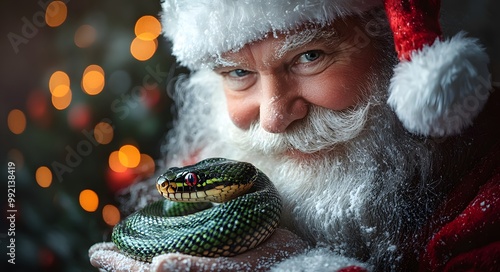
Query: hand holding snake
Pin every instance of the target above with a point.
(248, 214)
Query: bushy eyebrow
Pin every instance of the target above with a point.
(221, 62)
(300, 39)
(293, 41)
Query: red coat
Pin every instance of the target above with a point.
(464, 232)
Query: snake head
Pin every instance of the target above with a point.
(175, 180)
(214, 179)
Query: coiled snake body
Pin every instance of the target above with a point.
(248, 214)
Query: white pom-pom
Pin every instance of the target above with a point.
(443, 88)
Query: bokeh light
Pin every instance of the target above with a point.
(62, 102)
(103, 133)
(46, 258)
(143, 49)
(56, 13)
(79, 116)
(129, 156)
(43, 176)
(79, 95)
(146, 165)
(110, 214)
(85, 36)
(89, 201)
(16, 121)
(37, 105)
(16, 156)
(93, 79)
(60, 91)
(59, 84)
(147, 28)
(115, 164)
(117, 181)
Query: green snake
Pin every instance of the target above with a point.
(248, 214)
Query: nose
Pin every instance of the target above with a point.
(281, 104)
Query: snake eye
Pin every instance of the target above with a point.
(191, 179)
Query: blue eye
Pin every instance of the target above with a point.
(309, 56)
(238, 73)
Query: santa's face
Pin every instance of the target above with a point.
(276, 81)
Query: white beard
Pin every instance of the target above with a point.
(359, 191)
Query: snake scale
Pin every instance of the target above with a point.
(248, 213)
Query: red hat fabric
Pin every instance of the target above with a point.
(414, 24)
(440, 85)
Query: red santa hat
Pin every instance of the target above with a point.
(438, 87)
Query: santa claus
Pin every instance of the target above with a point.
(371, 124)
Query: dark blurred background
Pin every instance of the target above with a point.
(84, 108)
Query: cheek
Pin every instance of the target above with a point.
(338, 88)
(242, 111)
(337, 93)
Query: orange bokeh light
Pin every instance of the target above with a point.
(56, 13)
(114, 163)
(143, 49)
(129, 156)
(59, 84)
(62, 102)
(103, 133)
(16, 121)
(110, 215)
(89, 201)
(43, 176)
(60, 90)
(93, 79)
(147, 28)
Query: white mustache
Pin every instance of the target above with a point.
(321, 130)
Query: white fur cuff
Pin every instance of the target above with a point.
(319, 260)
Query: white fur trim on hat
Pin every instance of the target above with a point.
(443, 88)
(203, 29)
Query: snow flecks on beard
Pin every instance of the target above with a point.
(349, 195)
(352, 187)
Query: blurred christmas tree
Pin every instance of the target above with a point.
(84, 106)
